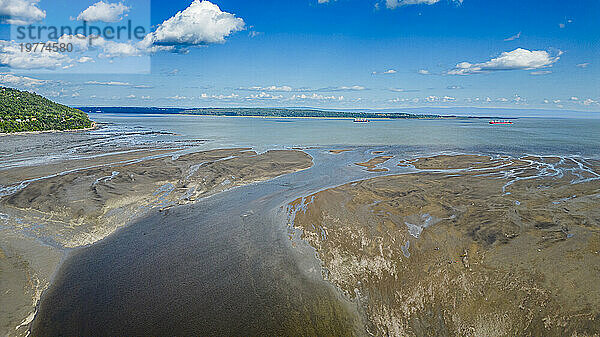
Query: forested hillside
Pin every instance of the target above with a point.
(25, 111)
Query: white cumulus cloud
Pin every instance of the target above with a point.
(85, 59)
(518, 59)
(103, 12)
(21, 12)
(402, 90)
(201, 23)
(119, 84)
(118, 49)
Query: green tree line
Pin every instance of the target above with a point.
(282, 112)
(25, 111)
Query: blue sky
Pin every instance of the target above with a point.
(334, 54)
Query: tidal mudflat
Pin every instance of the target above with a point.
(46, 213)
(465, 245)
(136, 231)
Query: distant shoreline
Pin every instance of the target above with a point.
(93, 127)
(262, 112)
(306, 117)
(280, 113)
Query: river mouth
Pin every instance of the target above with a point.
(224, 265)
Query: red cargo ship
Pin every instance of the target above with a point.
(501, 122)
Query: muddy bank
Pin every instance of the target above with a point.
(41, 219)
(466, 246)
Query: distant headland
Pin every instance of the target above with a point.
(22, 111)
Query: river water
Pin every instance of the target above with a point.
(542, 136)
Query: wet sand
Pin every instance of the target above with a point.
(466, 245)
(46, 212)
